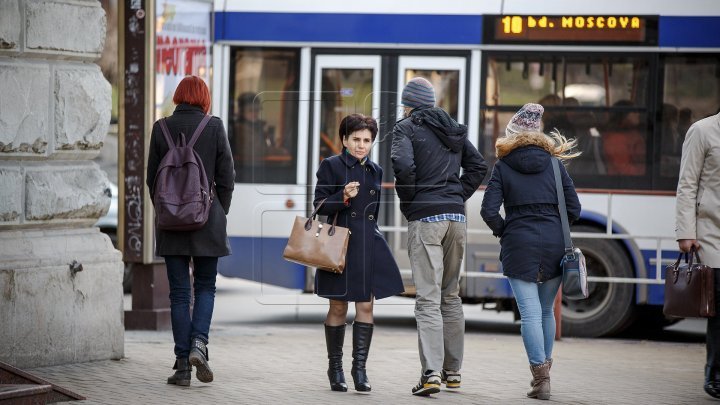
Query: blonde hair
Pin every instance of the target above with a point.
(554, 142)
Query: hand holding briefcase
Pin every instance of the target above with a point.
(689, 288)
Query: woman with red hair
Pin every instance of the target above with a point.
(203, 246)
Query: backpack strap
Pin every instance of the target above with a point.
(199, 130)
(166, 133)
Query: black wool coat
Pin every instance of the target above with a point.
(531, 236)
(213, 148)
(370, 268)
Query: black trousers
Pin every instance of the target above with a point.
(713, 329)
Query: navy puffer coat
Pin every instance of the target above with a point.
(531, 237)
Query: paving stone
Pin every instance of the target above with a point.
(286, 364)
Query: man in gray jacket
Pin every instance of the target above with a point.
(698, 221)
(428, 150)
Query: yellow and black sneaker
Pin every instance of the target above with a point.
(451, 379)
(429, 384)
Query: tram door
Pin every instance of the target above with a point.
(343, 85)
(448, 77)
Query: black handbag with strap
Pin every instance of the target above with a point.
(574, 278)
(689, 288)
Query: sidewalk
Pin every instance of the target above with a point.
(276, 354)
(286, 364)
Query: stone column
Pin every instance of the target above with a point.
(61, 297)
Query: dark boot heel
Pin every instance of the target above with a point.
(362, 336)
(712, 381)
(199, 358)
(334, 338)
(182, 374)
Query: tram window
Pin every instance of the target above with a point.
(446, 84)
(343, 92)
(601, 101)
(264, 115)
(691, 92)
(592, 81)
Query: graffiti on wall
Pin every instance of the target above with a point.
(134, 129)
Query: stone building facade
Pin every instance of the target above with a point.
(60, 278)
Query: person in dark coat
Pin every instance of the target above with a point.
(531, 235)
(202, 246)
(429, 149)
(349, 184)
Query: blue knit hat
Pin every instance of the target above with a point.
(418, 92)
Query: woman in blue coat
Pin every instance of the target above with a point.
(531, 236)
(350, 185)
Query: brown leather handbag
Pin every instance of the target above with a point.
(689, 288)
(315, 244)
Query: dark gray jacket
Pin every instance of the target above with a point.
(214, 150)
(428, 150)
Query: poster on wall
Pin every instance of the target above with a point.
(182, 48)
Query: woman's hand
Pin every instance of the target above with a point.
(351, 190)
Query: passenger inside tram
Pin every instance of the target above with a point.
(624, 142)
(554, 118)
(255, 147)
(583, 127)
(685, 119)
(670, 140)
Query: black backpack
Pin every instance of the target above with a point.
(181, 194)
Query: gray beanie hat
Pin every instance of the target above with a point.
(418, 92)
(527, 119)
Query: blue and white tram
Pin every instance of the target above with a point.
(625, 78)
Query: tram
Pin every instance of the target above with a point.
(624, 78)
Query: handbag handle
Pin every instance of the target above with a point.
(308, 223)
(693, 255)
(689, 256)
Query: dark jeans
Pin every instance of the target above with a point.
(713, 329)
(185, 327)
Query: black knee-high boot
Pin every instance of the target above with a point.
(334, 338)
(362, 335)
(712, 381)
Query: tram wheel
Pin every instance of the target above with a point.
(610, 307)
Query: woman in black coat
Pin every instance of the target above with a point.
(531, 236)
(349, 184)
(203, 246)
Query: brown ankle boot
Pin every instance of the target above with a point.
(541, 381)
(549, 368)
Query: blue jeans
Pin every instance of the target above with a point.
(186, 327)
(537, 321)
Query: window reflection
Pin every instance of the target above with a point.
(601, 101)
(263, 116)
(692, 92)
(343, 92)
(627, 139)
